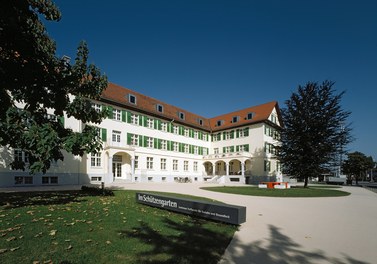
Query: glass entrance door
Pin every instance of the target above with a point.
(117, 166)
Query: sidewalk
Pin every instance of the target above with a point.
(287, 230)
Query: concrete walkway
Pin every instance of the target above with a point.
(332, 230)
(295, 230)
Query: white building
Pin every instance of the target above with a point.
(146, 140)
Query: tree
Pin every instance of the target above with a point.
(357, 164)
(314, 132)
(32, 75)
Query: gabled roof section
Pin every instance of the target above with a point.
(148, 105)
(250, 115)
(120, 96)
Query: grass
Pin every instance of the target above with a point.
(78, 227)
(316, 191)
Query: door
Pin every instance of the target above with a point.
(117, 166)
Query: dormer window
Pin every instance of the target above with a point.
(160, 108)
(250, 116)
(181, 115)
(132, 99)
(235, 119)
(200, 121)
(219, 122)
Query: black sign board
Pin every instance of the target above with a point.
(231, 214)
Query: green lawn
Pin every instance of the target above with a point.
(75, 227)
(316, 191)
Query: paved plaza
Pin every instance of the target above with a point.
(291, 230)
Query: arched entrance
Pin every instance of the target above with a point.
(208, 168)
(120, 165)
(220, 168)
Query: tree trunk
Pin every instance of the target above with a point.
(306, 182)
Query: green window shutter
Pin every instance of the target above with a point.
(128, 117)
(223, 135)
(232, 134)
(169, 143)
(200, 150)
(110, 112)
(212, 136)
(145, 121)
(181, 147)
(246, 147)
(181, 130)
(145, 141)
(104, 134)
(124, 116)
(200, 135)
(155, 143)
(140, 140)
(246, 132)
(237, 133)
(191, 133)
(155, 124)
(170, 127)
(129, 138)
(237, 148)
(232, 149)
(223, 149)
(191, 149)
(218, 136)
(159, 143)
(141, 120)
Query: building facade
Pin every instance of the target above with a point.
(146, 140)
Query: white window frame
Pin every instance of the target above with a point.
(117, 114)
(115, 136)
(134, 119)
(131, 98)
(164, 126)
(185, 165)
(186, 148)
(163, 164)
(175, 130)
(175, 146)
(149, 163)
(175, 165)
(216, 151)
(195, 165)
(164, 144)
(196, 150)
(95, 160)
(97, 107)
(150, 123)
(149, 142)
(135, 140)
(136, 162)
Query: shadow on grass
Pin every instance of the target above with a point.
(22, 199)
(189, 243)
(279, 249)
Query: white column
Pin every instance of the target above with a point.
(227, 168)
(110, 177)
(243, 168)
(132, 169)
(213, 169)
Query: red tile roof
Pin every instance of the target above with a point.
(120, 95)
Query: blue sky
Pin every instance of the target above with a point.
(214, 57)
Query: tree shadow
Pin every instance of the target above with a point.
(279, 249)
(188, 243)
(22, 199)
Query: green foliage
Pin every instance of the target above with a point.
(357, 164)
(85, 227)
(315, 130)
(32, 74)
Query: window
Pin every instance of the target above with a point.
(150, 122)
(149, 163)
(186, 148)
(132, 99)
(216, 150)
(175, 146)
(205, 137)
(181, 115)
(136, 162)
(95, 160)
(267, 166)
(21, 156)
(149, 142)
(186, 133)
(273, 118)
(23, 180)
(219, 122)
(250, 116)
(200, 121)
(196, 134)
(175, 165)
(134, 140)
(196, 150)
(205, 151)
(227, 149)
(164, 144)
(116, 136)
(95, 179)
(185, 165)
(195, 166)
(134, 119)
(49, 180)
(235, 119)
(97, 107)
(164, 127)
(163, 164)
(216, 137)
(227, 135)
(116, 114)
(160, 108)
(175, 130)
